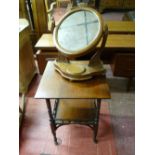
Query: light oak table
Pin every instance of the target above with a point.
(113, 41)
(125, 37)
(75, 102)
(116, 43)
(121, 27)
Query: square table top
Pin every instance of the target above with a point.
(54, 86)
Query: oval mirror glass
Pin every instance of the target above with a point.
(78, 32)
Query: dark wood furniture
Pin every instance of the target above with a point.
(36, 12)
(104, 5)
(22, 9)
(27, 68)
(124, 64)
(75, 102)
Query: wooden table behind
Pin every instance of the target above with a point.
(120, 46)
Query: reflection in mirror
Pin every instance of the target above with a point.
(78, 30)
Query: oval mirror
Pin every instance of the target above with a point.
(78, 32)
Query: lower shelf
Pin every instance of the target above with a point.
(75, 110)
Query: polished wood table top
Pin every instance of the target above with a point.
(113, 41)
(53, 86)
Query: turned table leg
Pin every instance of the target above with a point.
(52, 122)
(97, 119)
